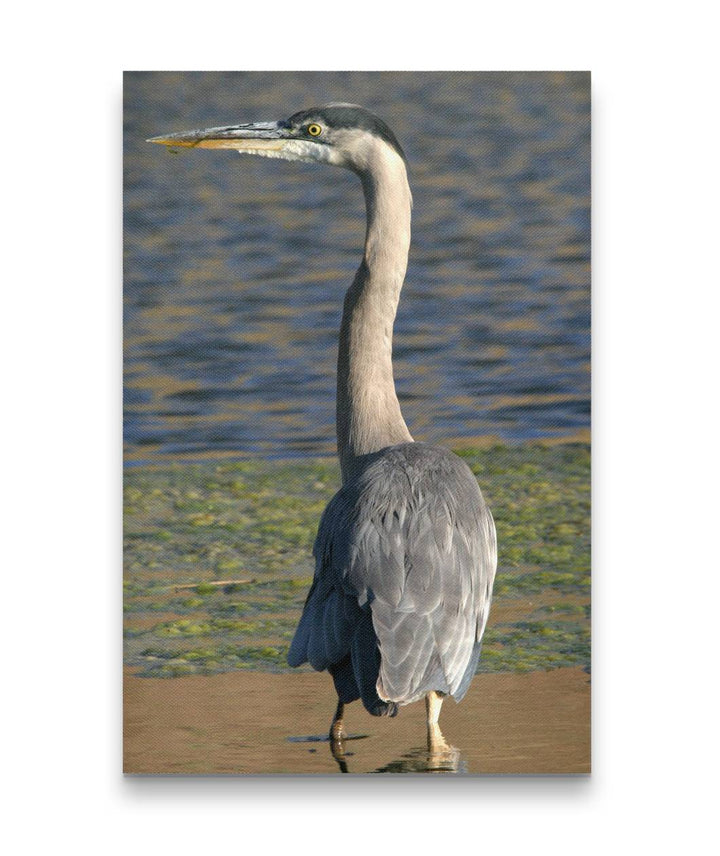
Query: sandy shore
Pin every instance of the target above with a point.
(255, 722)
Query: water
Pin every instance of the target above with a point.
(235, 268)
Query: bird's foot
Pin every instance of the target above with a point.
(441, 755)
(337, 747)
(337, 732)
(435, 740)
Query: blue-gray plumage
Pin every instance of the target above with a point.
(405, 553)
(405, 560)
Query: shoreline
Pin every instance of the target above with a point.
(140, 459)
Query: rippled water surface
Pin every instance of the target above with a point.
(235, 268)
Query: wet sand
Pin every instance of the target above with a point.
(256, 722)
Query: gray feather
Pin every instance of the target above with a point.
(405, 563)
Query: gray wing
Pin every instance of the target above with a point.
(408, 551)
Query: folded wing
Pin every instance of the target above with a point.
(405, 562)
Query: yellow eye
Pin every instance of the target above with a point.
(314, 130)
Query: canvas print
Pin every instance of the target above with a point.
(357, 415)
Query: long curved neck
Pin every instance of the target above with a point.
(368, 411)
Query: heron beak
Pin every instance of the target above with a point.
(257, 136)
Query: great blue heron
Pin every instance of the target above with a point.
(406, 550)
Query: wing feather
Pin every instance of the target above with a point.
(405, 564)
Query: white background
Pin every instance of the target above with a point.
(655, 556)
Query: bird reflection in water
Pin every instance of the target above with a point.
(438, 756)
(422, 760)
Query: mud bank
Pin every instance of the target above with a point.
(259, 722)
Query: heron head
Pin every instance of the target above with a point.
(340, 134)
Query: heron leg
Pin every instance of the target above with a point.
(435, 739)
(337, 736)
(336, 729)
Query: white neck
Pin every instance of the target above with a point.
(368, 411)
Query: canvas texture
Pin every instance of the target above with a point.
(235, 275)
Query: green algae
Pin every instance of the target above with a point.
(224, 551)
